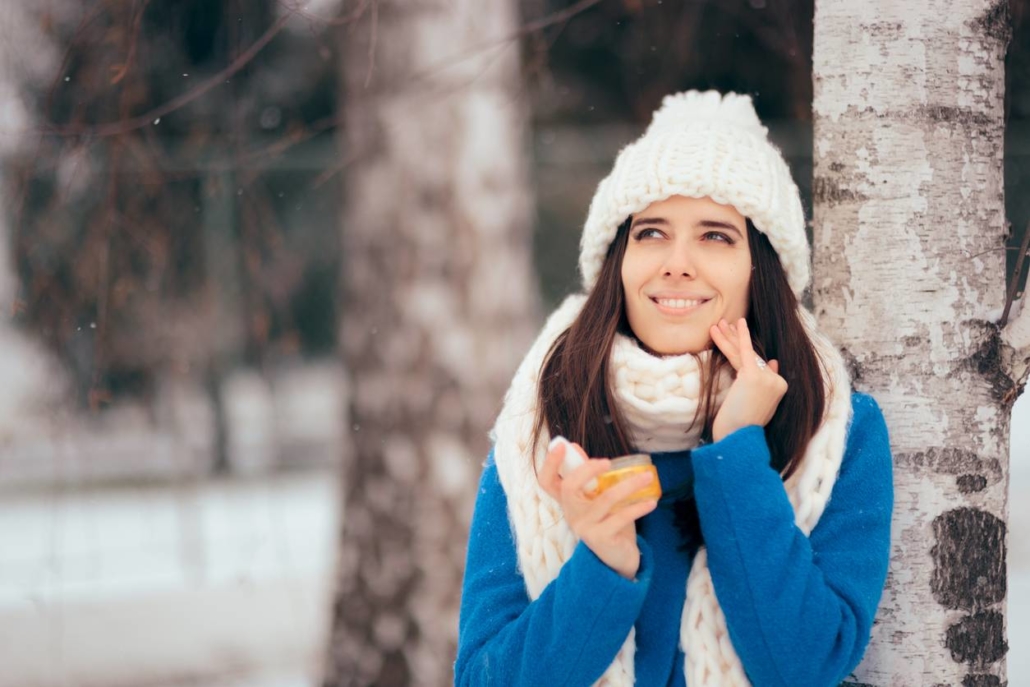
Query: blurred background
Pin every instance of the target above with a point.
(173, 402)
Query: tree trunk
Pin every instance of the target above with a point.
(909, 268)
(438, 303)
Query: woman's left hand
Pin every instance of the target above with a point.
(756, 392)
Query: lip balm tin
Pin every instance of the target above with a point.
(629, 466)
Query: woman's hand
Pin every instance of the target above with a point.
(606, 528)
(756, 392)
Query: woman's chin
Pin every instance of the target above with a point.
(674, 349)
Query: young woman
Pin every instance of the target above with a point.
(690, 346)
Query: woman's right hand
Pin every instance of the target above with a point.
(599, 521)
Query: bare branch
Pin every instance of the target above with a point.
(1024, 246)
(526, 29)
(372, 42)
(136, 26)
(330, 172)
(127, 125)
(1016, 334)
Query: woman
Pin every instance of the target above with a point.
(690, 345)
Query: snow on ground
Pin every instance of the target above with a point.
(225, 581)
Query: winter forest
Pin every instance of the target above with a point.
(267, 268)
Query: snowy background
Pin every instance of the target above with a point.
(117, 571)
(122, 572)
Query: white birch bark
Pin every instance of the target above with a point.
(438, 307)
(910, 280)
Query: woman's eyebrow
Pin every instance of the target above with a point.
(650, 220)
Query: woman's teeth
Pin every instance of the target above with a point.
(678, 302)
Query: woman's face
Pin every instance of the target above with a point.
(687, 265)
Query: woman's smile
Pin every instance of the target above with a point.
(678, 305)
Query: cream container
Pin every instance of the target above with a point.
(622, 468)
(626, 467)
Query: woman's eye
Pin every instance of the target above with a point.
(647, 233)
(718, 236)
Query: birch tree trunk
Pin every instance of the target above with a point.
(438, 306)
(909, 268)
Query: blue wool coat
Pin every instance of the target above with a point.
(799, 609)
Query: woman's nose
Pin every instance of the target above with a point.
(679, 262)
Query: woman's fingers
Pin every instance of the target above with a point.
(574, 492)
(734, 340)
(748, 357)
(722, 337)
(622, 490)
(729, 333)
(575, 482)
(548, 475)
(608, 503)
(747, 353)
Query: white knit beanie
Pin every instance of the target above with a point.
(702, 145)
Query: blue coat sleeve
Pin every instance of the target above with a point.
(567, 636)
(799, 609)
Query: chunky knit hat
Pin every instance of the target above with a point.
(702, 145)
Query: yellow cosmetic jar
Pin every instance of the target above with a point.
(626, 467)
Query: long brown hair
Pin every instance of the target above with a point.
(575, 395)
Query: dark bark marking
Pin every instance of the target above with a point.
(995, 22)
(978, 639)
(969, 559)
(981, 681)
(964, 116)
(970, 484)
(837, 167)
(851, 362)
(986, 361)
(891, 31)
(829, 191)
(950, 461)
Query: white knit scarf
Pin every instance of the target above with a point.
(658, 398)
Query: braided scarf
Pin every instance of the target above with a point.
(658, 398)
